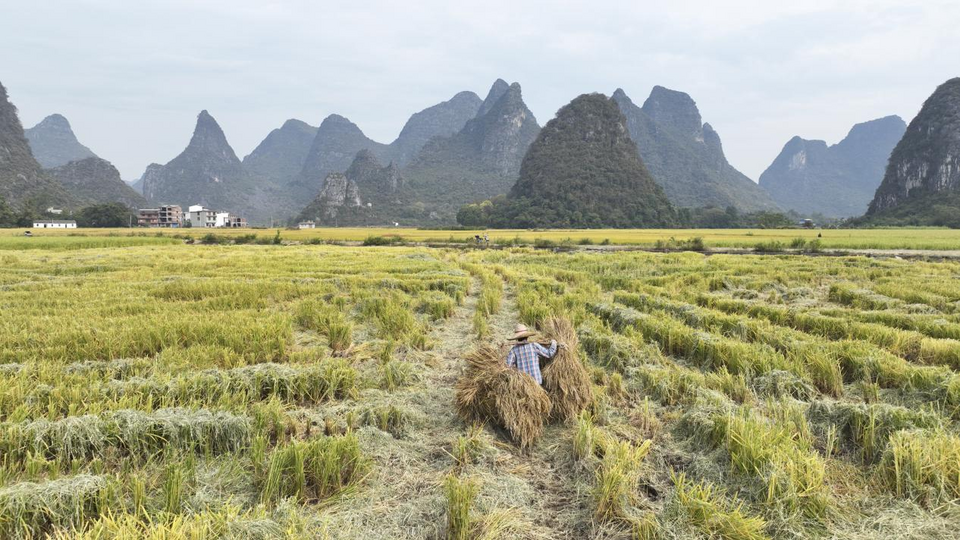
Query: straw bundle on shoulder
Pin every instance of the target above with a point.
(475, 389)
(491, 391)
(522, 406)
(566, 378)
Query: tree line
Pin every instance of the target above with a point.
(503, 213)
(95, 215)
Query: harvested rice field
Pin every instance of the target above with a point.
(163, 390)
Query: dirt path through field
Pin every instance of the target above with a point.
(404, 496)
(540, 480)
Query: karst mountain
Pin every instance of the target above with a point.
(921, 185)
(53, 142)
(338, 140)
(23, 181)
(368, 193)
(584, 170)
(467, 150)
(481, 161)
(88, 178)
(93, 181)
(207, 172)
(447, 155)
(838, 180)
(685, 156)
(281, 155)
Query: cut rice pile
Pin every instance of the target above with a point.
(565, 378)
(491, 392)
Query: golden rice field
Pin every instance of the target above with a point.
(166, 390)
(896, 238)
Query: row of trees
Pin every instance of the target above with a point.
(501, 212)
(97, 215)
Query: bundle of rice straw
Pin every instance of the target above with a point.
(475, 389)
(490, 391)
(566, 378)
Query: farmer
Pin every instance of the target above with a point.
(525, 354)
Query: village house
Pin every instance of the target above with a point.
(200, 216)
(307, 225)
(148, 217)
(55, 224)
(236, 222)
(169, 215)
(173, 216)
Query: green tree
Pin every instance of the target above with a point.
(733, 215)
(711, 217)
(26, 216)
(771, 220)
(8, 218)
(105, 215)
(470, 215)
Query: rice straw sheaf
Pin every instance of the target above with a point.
(565, 378)
(490, 391)
(475, 390)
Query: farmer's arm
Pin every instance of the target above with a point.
(511, 359)
(547, 352)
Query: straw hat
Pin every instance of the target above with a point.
(521, 331)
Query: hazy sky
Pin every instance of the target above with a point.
(131, 76)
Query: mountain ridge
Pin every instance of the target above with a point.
(95, 180)
(925, 163)
(22, 180)
(839, 180)
(481, 161)
(54, 143)
(367, 193)
(440, 120)
(280, 155)
(206, 172)
(338, 140)
(685, 156)
(584, 170)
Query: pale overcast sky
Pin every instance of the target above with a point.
(131, 76)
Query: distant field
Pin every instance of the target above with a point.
(900, 238)
(44, 240)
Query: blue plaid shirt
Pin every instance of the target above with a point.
(525, 357)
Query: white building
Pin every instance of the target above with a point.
(198, 216)
(55, 224)
(307, 225)
(221, 219)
